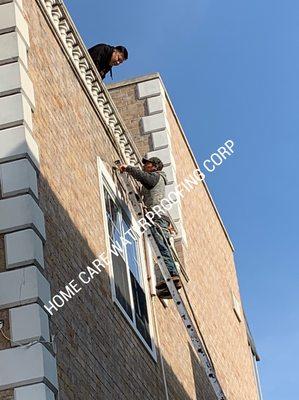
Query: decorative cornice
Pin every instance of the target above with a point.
(61, 22)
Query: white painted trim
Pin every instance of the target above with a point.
(156, 124)
(23, 286)
(149, 88)
(18, 2)
(28, 323)
(21, 212)
(19, 160)
(27, 365)
(237, 307)
(18, 177)
(15, 110)
(23, 248)
(38, 391)
(15, 79)
(155, 104)
(13, 48)
(12, 19)
(17, 143)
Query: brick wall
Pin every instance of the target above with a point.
(4, 343)
(132, 109)
(7, 395)
(2, 254)
(210, 265)
(209, 262)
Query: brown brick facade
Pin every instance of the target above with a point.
(99, 356)
(7, 395)
(208, 259)
(4, 343)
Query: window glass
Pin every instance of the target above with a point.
(126, 266)
(141, 314)
(133, 258)
(112, 210)
(122, 291)
(107, 201)
(132, 251)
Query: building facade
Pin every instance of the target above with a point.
(69, 331)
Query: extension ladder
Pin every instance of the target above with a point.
(189, 325)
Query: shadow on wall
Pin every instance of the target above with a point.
(203, 388)
(98, 354)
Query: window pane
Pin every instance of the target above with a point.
(121, 283)
(115, 239)
(107, 201)
(142, 322)
(132, 251)
(112, 209)
(126, 226)
(133, 258)
(127, 262)
(111, 227)
(115, 214)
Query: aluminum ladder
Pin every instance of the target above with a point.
(189, 325)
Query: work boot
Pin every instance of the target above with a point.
(162, 284)
(177, 281)
(163, 292)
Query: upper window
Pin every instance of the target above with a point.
(127, 278)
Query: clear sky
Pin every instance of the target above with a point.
(231, 68)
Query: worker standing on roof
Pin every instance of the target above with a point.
(153, 181)
(105, 57)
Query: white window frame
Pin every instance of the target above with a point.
(104, 174)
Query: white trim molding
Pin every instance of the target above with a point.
(30, 366)
(155, 123)
(34, 392)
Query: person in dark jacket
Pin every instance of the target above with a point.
(153, 181)
(105, 57)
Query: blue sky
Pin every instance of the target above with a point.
(231, 69)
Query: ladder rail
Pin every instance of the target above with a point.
(187, 320)
(189, 304)
(189, 325)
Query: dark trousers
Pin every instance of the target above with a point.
(161, 240)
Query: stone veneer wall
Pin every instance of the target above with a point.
(23, 286)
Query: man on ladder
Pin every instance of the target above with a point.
(153, 181)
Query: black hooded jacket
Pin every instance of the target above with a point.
(101, 56)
